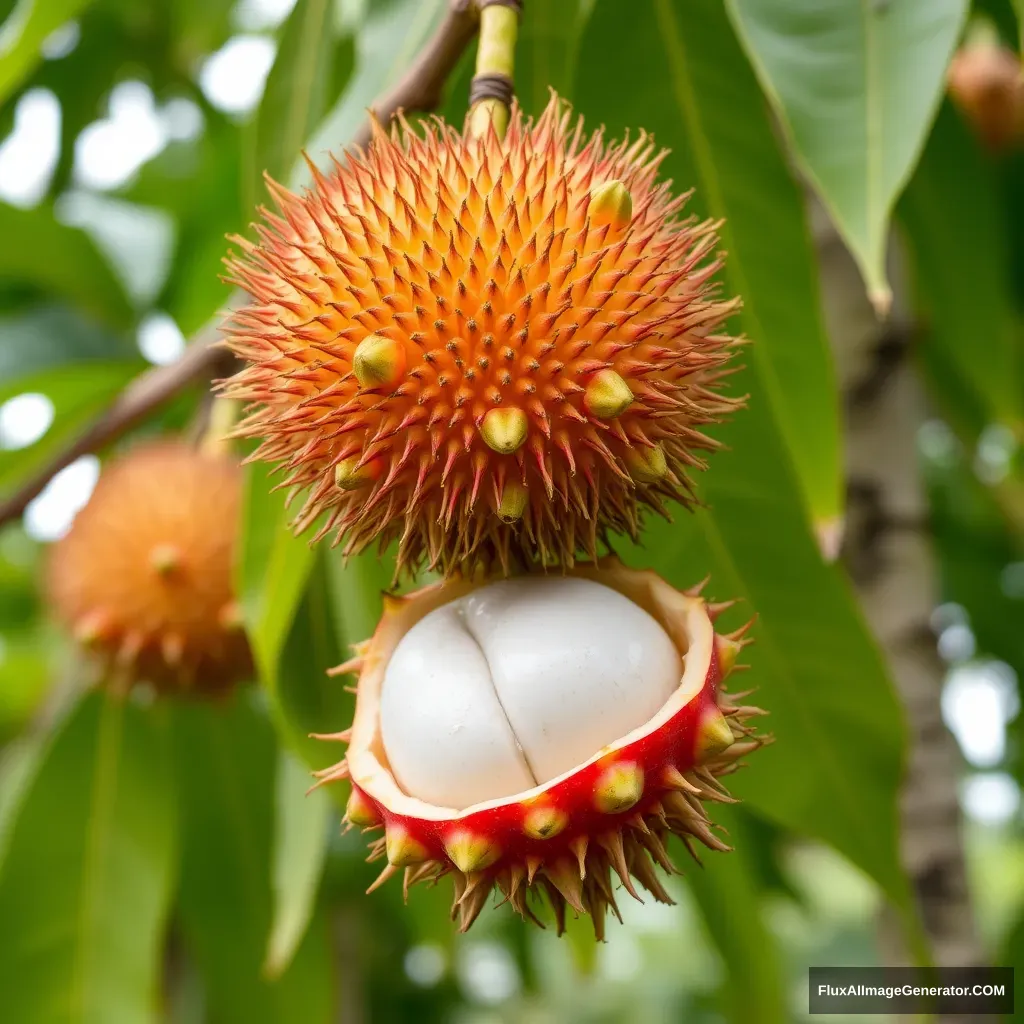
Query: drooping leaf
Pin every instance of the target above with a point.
(300, 846)
(304, 698)
(727, 892)
(692, 84)
(835, 769)
(86, 883)
(23, 33)
(201, 184)
(79, 392)
(273, 566)
(546, 52)
(46, 337)
(225, 760)
(309, 72)
(856, 85)
(62, 262)
(957, 235)
(356, 588)
(387, 40)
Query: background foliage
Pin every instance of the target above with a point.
(161, 862)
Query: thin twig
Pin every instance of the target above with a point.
(419, 90)
(142, 396)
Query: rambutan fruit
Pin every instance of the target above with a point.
(538, 733)
(986, 81)
(144, 576)
(492, 351)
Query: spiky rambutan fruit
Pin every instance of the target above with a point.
(541, 732)
(144, 575)
(488, 350)
(986, 81)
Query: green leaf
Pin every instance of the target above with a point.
(225, 761)
(310, 70)
(856, 85)
(46, 337)
(37, 250)
(22, 34)
(201, 184)
(356, 587)
(727, 891)
(951, 209)
(272, 570)
(546, 52)
(79, 392)
(388, 38)
(691, 84)
(299, 850)
(814, 665)
(291, 623)
(84, 905)
(303, 697)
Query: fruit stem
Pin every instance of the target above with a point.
(216, 439)
(490, 95)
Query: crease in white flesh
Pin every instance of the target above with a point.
(517, 683)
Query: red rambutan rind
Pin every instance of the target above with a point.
(565, 838)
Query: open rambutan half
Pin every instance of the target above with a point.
(541, 733)
(489, 350)
(144, 575)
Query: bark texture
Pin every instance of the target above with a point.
(888, 552)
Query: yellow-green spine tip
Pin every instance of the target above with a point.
(378, 362)
(607, 395)
(504, 429)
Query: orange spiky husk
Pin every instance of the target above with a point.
(144, 575)
(566, 838)
(986, 81)
(490, 351)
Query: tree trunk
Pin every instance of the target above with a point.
(887, 550)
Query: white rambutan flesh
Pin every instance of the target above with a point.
(541, 735)
(518, 682)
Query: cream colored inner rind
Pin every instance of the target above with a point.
(684, 618)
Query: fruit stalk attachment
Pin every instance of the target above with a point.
(490, 95)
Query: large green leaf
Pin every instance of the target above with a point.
(546, 52)
(691, 85)
(957, 234)
(388, 38)
(201, 184)
(61, 261)
(356, 587)
(304, 698)
(51, 336)
(311, 69)
(727, 890)
(79, 392)
(272, 570)
(86, 882)
(225, 760)
(300, 846)
(856, 83)
(22, 34)
(835, 769)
